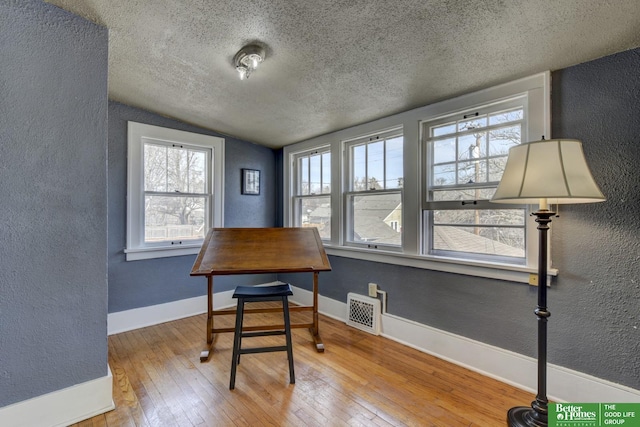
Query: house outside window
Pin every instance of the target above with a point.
(174, 191)
(374, 196)
(312, 199)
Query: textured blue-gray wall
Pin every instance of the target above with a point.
(595, 308)
(53, 187)
(595, 302)
(134, 284)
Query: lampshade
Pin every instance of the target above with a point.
(553, 169)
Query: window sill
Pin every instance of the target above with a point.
(161, 252)
(512, 273)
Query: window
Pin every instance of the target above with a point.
(465, 156)
(413, 189)
(374, 196)
(174, 191)
(312, 199)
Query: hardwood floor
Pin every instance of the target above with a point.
(360, 380)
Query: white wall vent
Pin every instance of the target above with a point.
(363, 313)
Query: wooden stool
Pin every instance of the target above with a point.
(246, 294)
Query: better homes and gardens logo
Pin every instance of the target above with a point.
(594, 414)
(575, 414)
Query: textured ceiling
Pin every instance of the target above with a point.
(337, 63)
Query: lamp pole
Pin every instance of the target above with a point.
(537, 414)
(535, 171)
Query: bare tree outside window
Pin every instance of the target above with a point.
(175, 187)
(468, 157)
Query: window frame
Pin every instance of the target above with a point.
(297, 197)
(538, 89)
(537, 92)
(349, 194)
(137, 133)
(430, 206)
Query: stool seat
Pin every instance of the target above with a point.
(248, 294)
(253, 292)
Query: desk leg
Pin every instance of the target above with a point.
(315, 330)
(204, 354)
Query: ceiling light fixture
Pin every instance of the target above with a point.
(247, 60)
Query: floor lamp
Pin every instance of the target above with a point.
(548, 171)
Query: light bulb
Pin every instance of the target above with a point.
(243, 72)
(254, 61)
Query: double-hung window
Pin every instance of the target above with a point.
(374, 197)
(465, 157)
(414, 189)
(174, 190)
(312, 191)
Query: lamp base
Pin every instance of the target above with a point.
(524, 416)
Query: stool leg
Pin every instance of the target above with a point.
(237, 338)
(287, 330)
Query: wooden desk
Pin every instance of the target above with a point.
(260, 250)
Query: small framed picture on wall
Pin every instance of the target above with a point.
(251, 181)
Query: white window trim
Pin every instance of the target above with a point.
(291, 178)
(295, 172)
(135, 249)
(294, 164)
(531, 250)
(348, 192)
(537, 92)
(538, 88)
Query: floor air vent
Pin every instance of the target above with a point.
(363, 313)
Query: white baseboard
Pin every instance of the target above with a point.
(62, 407)
(128, 320)
(563, 385)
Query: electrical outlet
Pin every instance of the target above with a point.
(533, 279)
(373, 290)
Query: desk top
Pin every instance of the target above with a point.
(260, 250)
